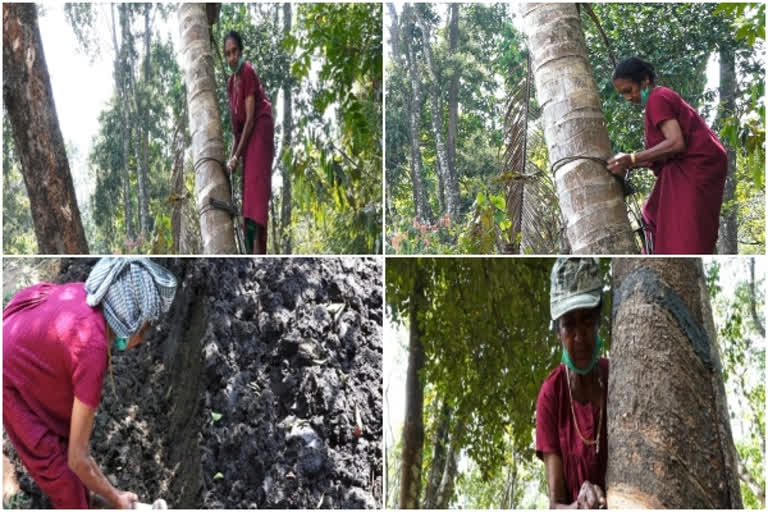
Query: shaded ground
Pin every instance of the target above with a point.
(248, 394)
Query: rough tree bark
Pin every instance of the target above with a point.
(590, 198)
(208, 151)
(32, 113)
(669, 436)
(450, 187)
(285, 203)
(453, 91)
(728, 240)
(421, 205)
(413, 428)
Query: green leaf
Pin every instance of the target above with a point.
(215, 416)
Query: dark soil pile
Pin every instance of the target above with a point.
(261, 388)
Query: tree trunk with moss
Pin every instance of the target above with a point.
(37, 137)
(591, 199)
(208, 151)
(669, 435)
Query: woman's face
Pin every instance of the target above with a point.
(629, 89)
(138, 338)
(231, 52)
(577, 331)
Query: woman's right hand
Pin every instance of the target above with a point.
(590, 496)
(125, 499)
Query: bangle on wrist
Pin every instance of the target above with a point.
(634, 159)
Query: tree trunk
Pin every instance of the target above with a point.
(141, 110)
(590, 197)
(120, 80)
(208, 152)
(178, 189)
(413, 428)
(448, 481)
(453, 92)
(729, 231)
(754, 299)
(285, 214)
(450, 189)
(439, 443)
(38, 141)
(420, 204)
(669, 437)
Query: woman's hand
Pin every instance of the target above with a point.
(620, 163)
(590, 496)
(232, 164)
(125, 499)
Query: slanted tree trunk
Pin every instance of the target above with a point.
(421, 205)
(285, 213)
(453, 92)
(590, 198)
(448, 480)
(36, 135)
(450, 188)
(439, 456)
(729, 231)
(208, 151)
(413, 428)
(669, 436)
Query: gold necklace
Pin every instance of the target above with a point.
(588, 442)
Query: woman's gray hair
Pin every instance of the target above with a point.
(131, 291)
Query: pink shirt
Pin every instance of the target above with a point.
(556, 433)
(54, 349)
(248, 85)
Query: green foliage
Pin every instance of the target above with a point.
(18, 230)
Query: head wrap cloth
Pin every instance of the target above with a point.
(131, 291)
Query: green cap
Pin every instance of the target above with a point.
(575, 283)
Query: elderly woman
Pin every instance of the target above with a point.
(690, 164)
(57, 345)
(570, 410)
(253, 130)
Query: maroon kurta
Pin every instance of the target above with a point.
(54, 349)
(259, 149)
(556, 433)
(683, 210)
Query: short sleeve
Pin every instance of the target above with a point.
(547, 439)
(90, 365)
(662, 106)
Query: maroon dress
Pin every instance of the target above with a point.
(683, 210)
(556, 433)
(259, 150)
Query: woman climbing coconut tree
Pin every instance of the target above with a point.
(57, 346)
(571, 435)
(690, 164)
(253, 130)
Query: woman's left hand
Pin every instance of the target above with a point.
(619, 163)
(232, 164)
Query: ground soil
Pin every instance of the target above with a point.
(262, 388)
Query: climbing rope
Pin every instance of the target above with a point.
(629, 190)
(216, 204)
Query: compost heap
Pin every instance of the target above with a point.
(249, 392)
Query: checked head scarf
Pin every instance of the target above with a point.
(132, 291)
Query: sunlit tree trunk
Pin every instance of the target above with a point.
(729, 231)
(205, 128)
(451, 188)
(420, 203)
(37, 138)
(453, 92)
(413, 428)
(285, 213)
(669, 436)
(590, 198)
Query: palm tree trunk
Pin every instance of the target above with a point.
(590, 198)
(208, 151)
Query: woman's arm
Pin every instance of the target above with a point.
(673, 143)
(82, 464)
(590, 495)
(250, 110)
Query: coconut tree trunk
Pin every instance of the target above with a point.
(285, 213)
(450, 188)
(590, 198)
(669, 436)
(421, 205)
(413, 428)
(208, 151)
(38, 141)
(728, 240)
